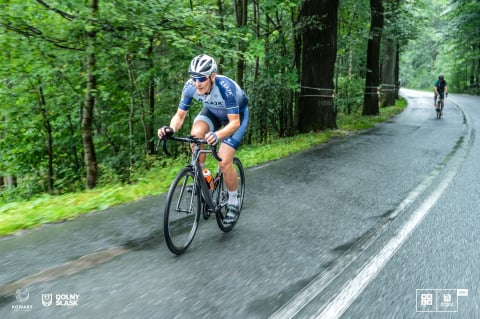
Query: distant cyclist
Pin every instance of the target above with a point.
(440, 90)
(224, 116)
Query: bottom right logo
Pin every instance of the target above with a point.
(439, 300)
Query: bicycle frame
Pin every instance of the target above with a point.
(440, 101)
(195, 164)
(199, 176)
(189, 197)
(440, 104)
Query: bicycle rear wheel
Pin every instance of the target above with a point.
(222, 196)
(182, 212)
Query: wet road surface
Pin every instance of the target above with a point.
(363, 227)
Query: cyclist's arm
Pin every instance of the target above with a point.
(177, 120)
(231, 127)
(226, 131)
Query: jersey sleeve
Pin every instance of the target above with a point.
(187, 96)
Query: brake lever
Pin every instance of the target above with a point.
(163, 141)
(164, 146)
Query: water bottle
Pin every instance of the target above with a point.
(208, 178)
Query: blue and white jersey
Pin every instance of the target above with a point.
(226, 97)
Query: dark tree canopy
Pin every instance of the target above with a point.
(85, 84)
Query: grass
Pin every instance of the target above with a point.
(46, 209)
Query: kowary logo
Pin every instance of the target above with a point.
(22, 296)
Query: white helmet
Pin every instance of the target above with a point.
(202, 65)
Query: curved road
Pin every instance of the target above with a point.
(383, 224)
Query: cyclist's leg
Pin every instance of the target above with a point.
(442, 102)
(203, 123)
(227, 153)
(230, 178)
(199, 129)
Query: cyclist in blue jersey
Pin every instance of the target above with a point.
(224, 117)
(440, 89)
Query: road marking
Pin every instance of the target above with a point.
(318, 284)
(353, 288)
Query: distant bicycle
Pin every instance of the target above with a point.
(439, 105)
(190, 195)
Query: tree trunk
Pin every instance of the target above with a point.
(241, 7)
(77, 162)
(298, 67)
(150, 118)
(131, 115)
(48, 130)
(397, 72)
(220, 26)
(390, 44)
(370, 101)
(9, 181)
(388, 89)
(87, 119)
(316, 107)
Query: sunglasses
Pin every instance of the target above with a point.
(199, 79)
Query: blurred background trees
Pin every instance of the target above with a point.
(84, 85)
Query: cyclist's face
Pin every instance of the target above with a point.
(206, 86)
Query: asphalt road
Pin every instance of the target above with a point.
(382, 224)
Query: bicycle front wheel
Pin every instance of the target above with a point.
(182, 212)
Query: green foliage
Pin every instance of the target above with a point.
(463, 35)
(141, 45)
(142, 51)
(44, 209)
(349, 98)
(447, 42)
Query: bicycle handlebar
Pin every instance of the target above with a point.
(188, 139)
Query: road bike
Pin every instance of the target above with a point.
(190, 196)
(439, 105)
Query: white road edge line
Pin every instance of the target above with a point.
(306, 295)
(353, 288)
(350, 291)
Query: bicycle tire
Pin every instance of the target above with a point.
(222, 197)
(205, 211)
(439, 109)
(182, 212)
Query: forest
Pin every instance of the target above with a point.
(84, 85)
